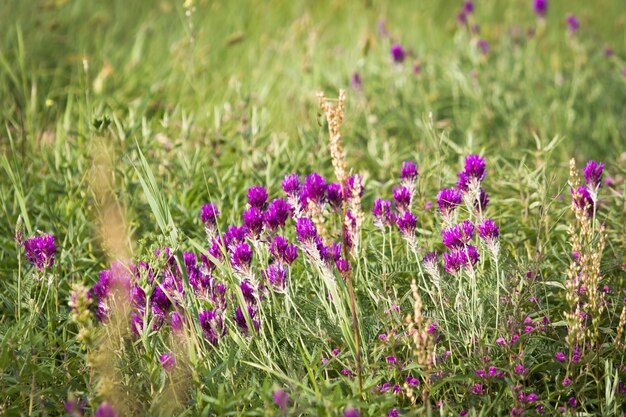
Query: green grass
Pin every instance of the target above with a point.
(179, 110)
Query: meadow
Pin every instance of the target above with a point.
(337, 208)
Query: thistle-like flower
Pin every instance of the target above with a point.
(397, 53)
(40, 251)
(572, 24)
(402, 198)
(253, 220)
(276, 275)
(593, 177)
(457, 236)
(335, 197)
(313, 193)
(257, 197)
(382, 214)
(208, 215)
(489, 232)
(582, 199)
(241, 259)
(448, 200)
(409, 175)
(277, 214)
(213, 325)
(240, 319)
(407, 224)
(540, 7)
(284, 252)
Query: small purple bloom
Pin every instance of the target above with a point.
(281, 398)
(283, 251)
(393, 413)
(253, 221)
(481, 202)
(306, 231)
(241, 257)
(277, 214)
(572, 24)
(492, 370)
(257, 197)
(483, 45)
(409, 172)
(540, 7)
(351, 412)
(167, 361)
(240, 319)
(468, 7)
(459, 235)
(559, 356)
(356, 82)
(314, 190)
(566, 381)
(209, 214)
(448, 199)
(593, 174)
(488, 230)
(407, 223)
(335, 196)
(397, 53)
(277, 276)
(40, 251)
(291, 185)
(477, 389)
(475, 167)
(106, 410)
(582, 199)
(382, 213)
(391, 359)
(402, 198)
(233, 236)
(572, 402)
(212, 325)
(412, 381)
(480, 373)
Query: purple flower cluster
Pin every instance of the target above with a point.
(466, 10)
(540, 7)
(402, 217)
(572, 24)
(40, 251)
(398, 53)
(460, 258)
(586, 197)
(448, 200)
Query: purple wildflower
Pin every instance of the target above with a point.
(475, 167)
(407, 223)
(240, 319)
(477, 389)
(397, 53)
(306, 231)
(566, 381)
(412, 381)
(257, 197)
(241, 258)
(234, 235)
(593, 174)
(40, 251)
(572, 24)
(468, 7)
(335, 196)
(382, 213)
(582, 199)
(212, 325)
(483, 45)
(572, 402)
(247, 291)
(391, 359)
(447, 200)
(351, 412)
(75, 407)
(461, 18)
(540, 7)
(402, 198)
(106, 410)
(488, 230)
(253, 221)
(393, 413)
(314, 190)
(291, 185)
(481, 202)
(559, 356)
(408, 174)
(356, 82)
(167, 361)
(277, 277)
(283, 251)
(209, 214)
(459, 235)
(277, 214)
(281, 398)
